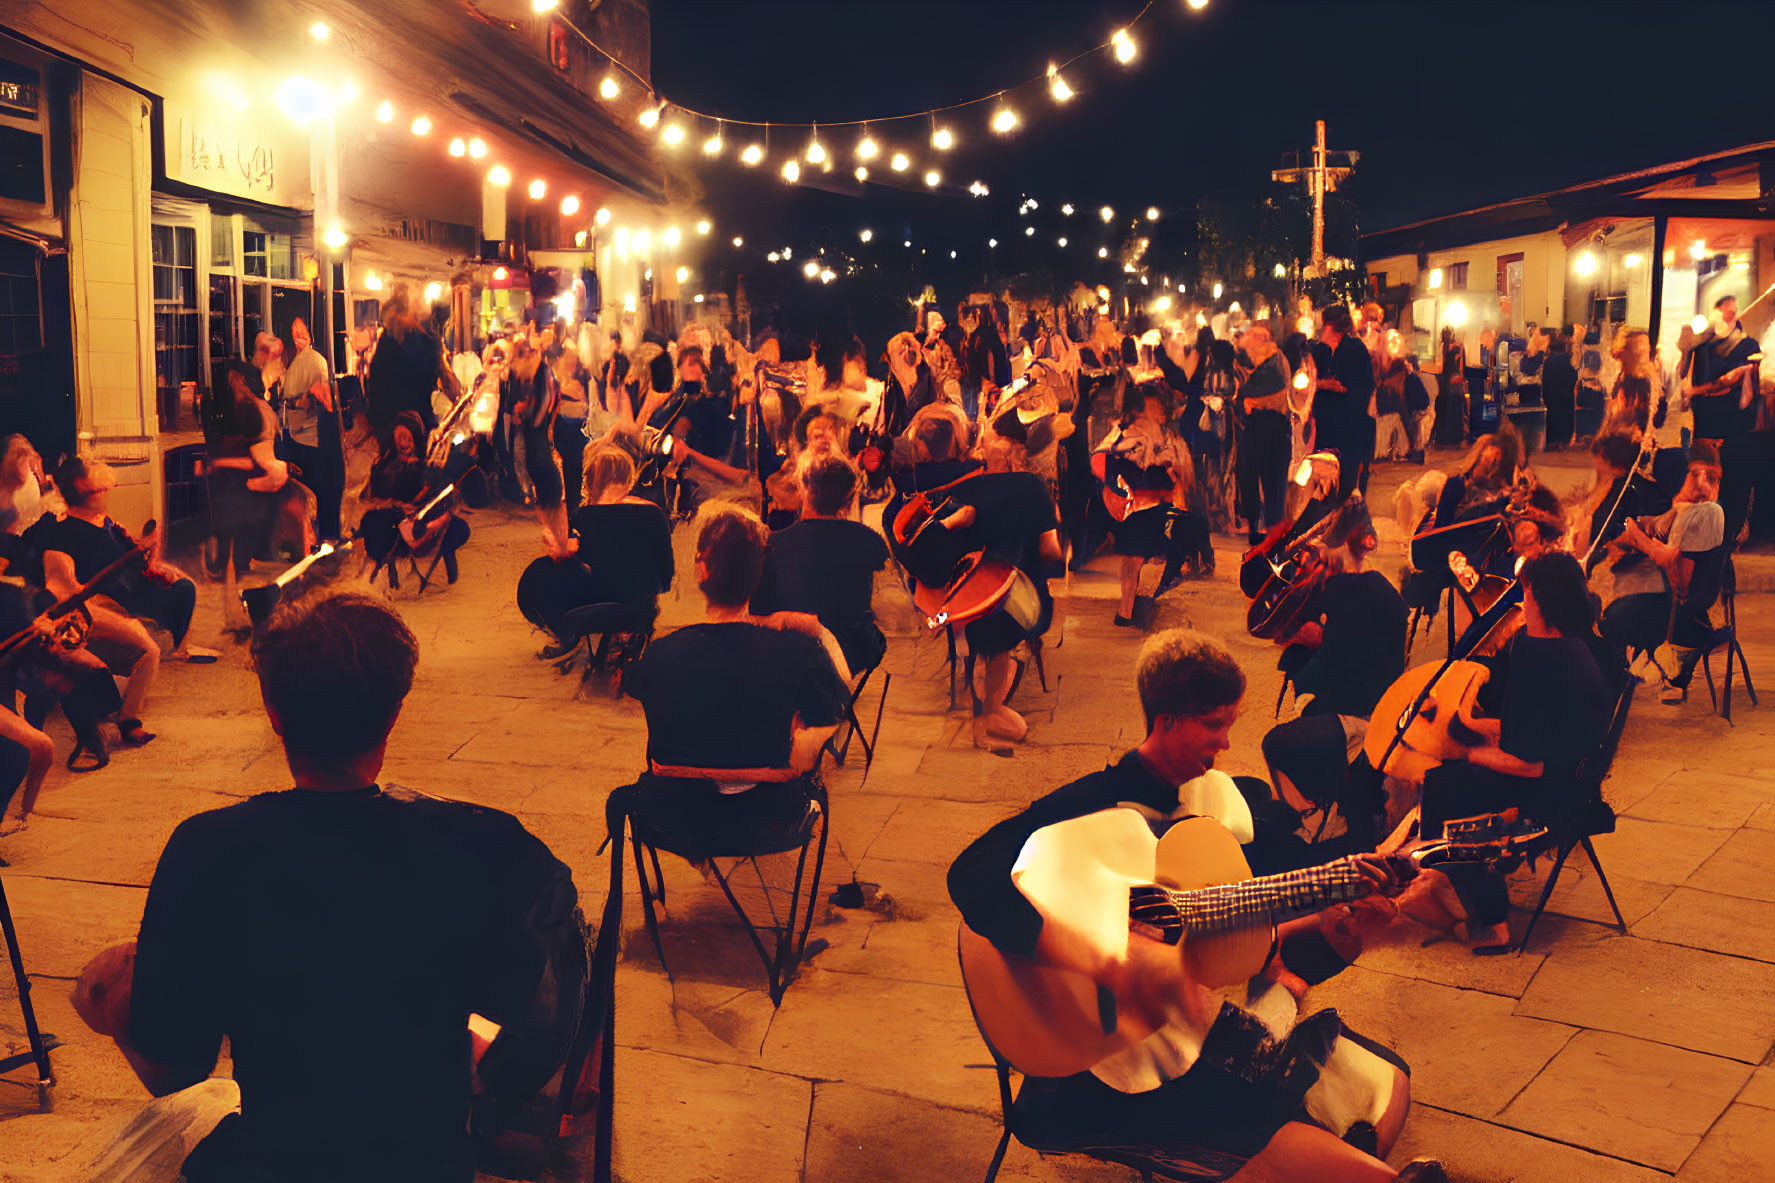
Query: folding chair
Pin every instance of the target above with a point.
(1201, 1166)
(1593, 816)
(1712, 579)
(623, 632)
(852, 726)
(778, 963)
(403, 551)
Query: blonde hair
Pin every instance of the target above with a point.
(608, 467)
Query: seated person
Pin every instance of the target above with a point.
(26, 493)
(25, 751)
(738, 707)
(78, 547)
(398, 487)
(314, 925)
(1553, 707)
(1345, 657)
(624, 555)
(1141, 463)
(1212, 1081)
(825, 564)
(1651, 565)
(1611, 500)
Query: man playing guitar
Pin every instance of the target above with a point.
(1194, 1079)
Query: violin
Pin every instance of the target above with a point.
(1282, 576)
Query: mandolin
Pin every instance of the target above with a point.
(1191, 889)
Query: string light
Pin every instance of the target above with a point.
(1034, 204)
(421, 126)
(952, 254)
(1067, 209)
(816, 151)
(1107, 214)
(1152, 213)
(1124, 46)
(1029, 232)
(979, 189)
(1103, 252)
(810, 269)
(738, 242)
(866, 234)
(335, 238)
(1005, 121)
(827, 276)
(649, 116)
(900, 162)
(774, 257)
(791, 172)
(569, 205)
(862, 174)
(500, 175)
(457, 147)
(752, 155)
(942, 140)
(602, 217)
(477, 147)
(385, 111)
(319, 31)
(683, 273)
(1057, 85)
(538, 189)
(933, 178)
(1062, 243)
(609, 88)
(992, 243)
(704, 226)
(712, 145)
(673, 135)
(867, 148)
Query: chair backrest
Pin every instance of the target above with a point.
(1706, 579)
(1595, 768)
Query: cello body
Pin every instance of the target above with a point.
(1430, 709)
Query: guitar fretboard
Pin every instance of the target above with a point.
(1261, 901)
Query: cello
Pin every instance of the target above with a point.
(1285, 575)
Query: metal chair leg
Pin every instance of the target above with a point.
(1041, 673)
(1004, 1101)
(647, 906)
(1565, 851)
(1620, 921)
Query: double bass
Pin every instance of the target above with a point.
(1283, 574)
(955, 583)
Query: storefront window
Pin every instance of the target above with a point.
(177, 349)
(21, 330)
(255, 261)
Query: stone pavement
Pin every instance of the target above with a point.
(1594, 1056)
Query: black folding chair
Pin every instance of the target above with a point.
(789, 946)
(1592, 816)
(623, 632)
(851, 725)
(1712, 580)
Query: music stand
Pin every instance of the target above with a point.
(39, 1050)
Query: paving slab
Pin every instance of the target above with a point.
(1658, 852)
(1442, 1032)
(1645, 1102)
(1743, 866)
(1690, 998)
(1718, 800)
(1706, 920)
(1410, 950)
(1739, 1147)
(1479, 1152)
(680, 1120)
(937, 831)
(51, 943)
(1761, 1089)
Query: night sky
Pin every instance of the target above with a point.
(1451, 104)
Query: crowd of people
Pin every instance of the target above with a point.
(997, 459)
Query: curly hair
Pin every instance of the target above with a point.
(1186, 673)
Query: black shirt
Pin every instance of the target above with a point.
(1719, 417)
(1557, 706)
(1350, 365)
(627, 546)
(726, 695)
(1364, 648)
(827, 567)
(340, 942)
(91, 547)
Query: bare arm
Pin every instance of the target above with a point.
(58, 573)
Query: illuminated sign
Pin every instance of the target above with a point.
(262, 159)
(18, 90)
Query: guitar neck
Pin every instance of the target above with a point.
(1271, 899)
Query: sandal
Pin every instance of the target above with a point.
(131, 732)
(92, 746)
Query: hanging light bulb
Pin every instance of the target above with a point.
(712, 145)
(992, 243)
(385, 111)
(538, 189)
(1005, 121)
(866, 234)
(810, 269)
(774, 257)
(569, 205)
(457, 147)
(1103, 252)
(791, 171)
(867, 148)
(816, 151)
(738, 242)
(335, 238)
(942, 140)
(1124, 46)
(1698, 250)
(933, 178)
(1586, 264)
(673, 135)
(979, 189)
(319, 31)
(704, 226)
(862, 174)
(827, 276)
(543, 5)
(683, 273)
(1152, 213)
(900, 162)
(1067, 209)
(421, 126)
(1057, 85)
(609, 88)
(752, 155)
(1029, 232)
(1034, 204)
(1107, 214)
(602, 217)
(671, 237)
(952, 254)
(1217, 291)
(500, 175)
(477, 147)
(649, 116)
(1062, 243)
(1198, 5)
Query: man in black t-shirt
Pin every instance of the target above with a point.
(1340, 409)
(825, 564)
(344, 939)
(1723, 366)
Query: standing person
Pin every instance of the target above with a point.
(311, 925)
(312, 437)
(408, 365)
(1451, 396)
(1266, 442)
(1559, 390)
(1723, 379)
(535, 401)
(1341, 408)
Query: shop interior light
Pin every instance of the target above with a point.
(458, 148)
(1162, 304)
(1457, 314)
(319, 31)
(569, 205)
(539, 189)
(698, 298)
(1107, 213)
(1143, 282)
(347, 94)
(866, 234)
(752, 155)
(1280, 271)
(861, 173)
(385, 111)
(671, 237)
(673, 135)
(933, 178)
(543, 5)
(1004, 121)
(609, 88)
(421, 126)
(791, 171)
(433, 290)
(579, 238)
(1102, 293)
(1435, 277)
(1124, 46)
(900, 163)
(683, 273)
(301, 99)
(867, 148)
(1699, 324)
(942, 139)
(623, 239)
(704, 226)
(602, 217)
(477, 147)
(1698, 250)
(335, 238)
(1586, 264)
(500, 175)
(1234, 308)
(373, 282)
(641, 240)
(1304, 326)
(712, 146)
(628, 302)
(1632, 261)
